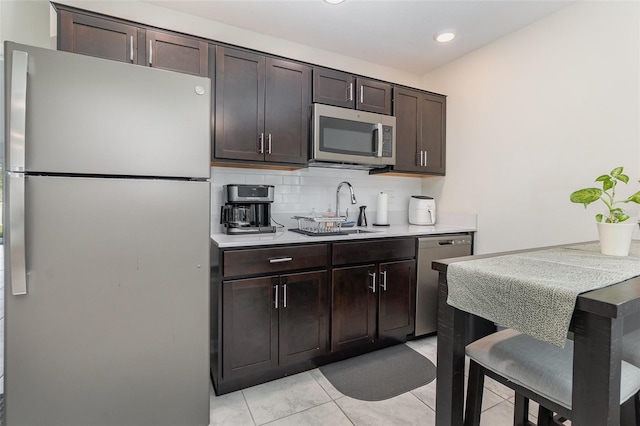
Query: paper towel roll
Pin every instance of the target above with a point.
(382, 207)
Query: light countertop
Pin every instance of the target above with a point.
(283, 236)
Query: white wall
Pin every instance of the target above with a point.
(27, 22)
(537, 115)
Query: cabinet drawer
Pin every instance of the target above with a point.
(274, 259)
(373, 251)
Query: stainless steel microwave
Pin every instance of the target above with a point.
(347, 137)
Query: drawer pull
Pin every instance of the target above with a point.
(281, 259)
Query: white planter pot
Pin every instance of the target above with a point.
(615, 238)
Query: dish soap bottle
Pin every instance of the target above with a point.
(329, 214)
(362, 218)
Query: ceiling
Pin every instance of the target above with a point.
(394, 33)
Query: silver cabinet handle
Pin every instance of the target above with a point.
(17, 250)
(275, 301)
(150, 52)
(383, 285)
(261, 140)
(269, 143)
(380, 139)
(373, 281)
(131, 48)
(16, 181)
(281, 259)
(350, 92)
(284, 295)
(425, 158)
(361, 94)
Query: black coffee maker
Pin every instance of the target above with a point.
(247, 209)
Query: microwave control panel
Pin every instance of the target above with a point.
(387, 141)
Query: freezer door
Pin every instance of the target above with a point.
(94, 116)
(114, 326)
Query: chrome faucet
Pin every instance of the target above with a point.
(353, 197)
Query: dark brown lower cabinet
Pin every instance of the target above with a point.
(396, 299)
(372, 302)
(353, 316)
(273, 321)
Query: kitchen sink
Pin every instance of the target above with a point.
(357, 231)
(343, 231)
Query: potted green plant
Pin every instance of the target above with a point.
(613, 229)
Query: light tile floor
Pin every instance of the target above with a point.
(309, 398)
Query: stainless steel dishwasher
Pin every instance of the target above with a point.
(430, 249)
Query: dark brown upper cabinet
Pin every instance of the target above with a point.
(176, 53)
(348, 91)
(420, 131)
(103, 38)
(120, 41)
(262, 108)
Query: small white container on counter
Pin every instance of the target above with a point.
(422, 210)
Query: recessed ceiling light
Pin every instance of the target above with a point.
(444, 37)
(334, 1)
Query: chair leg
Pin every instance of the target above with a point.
(628, 412)
(545, 417)
(474, 395)
(521, 411)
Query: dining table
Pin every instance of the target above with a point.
(549, 293)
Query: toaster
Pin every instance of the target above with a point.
(422, 210)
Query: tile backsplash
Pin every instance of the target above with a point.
(300, 191)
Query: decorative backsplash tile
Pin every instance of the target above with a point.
(300, 191)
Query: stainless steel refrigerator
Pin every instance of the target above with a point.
(106, 231)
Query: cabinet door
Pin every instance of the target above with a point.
(420, 131)
(240, 88)
(249, 326)
(353, 316)
(103, 38)
(304, 316)
(176, 53)
(432, 128)
(333, 88)
(373, 96)
(287, 111)
(397, 288)
(406, 104)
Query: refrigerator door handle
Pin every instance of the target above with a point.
(18, 108)
(16, 239)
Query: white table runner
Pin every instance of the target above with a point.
(535, 292)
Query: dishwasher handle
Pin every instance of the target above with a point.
(451, 240)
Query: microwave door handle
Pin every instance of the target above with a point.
(380, 139)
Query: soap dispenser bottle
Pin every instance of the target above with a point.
(362, 217)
